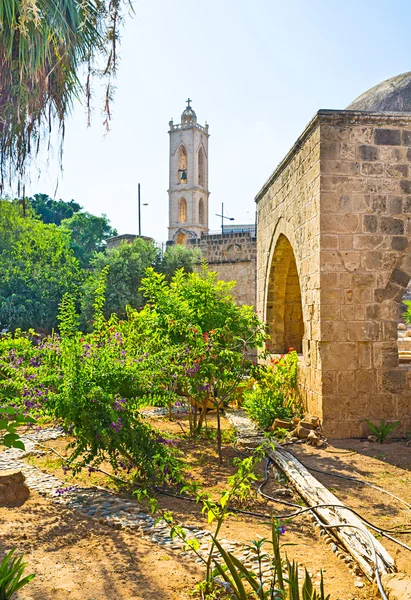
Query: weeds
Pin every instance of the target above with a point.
(382, 431)
(11, 575)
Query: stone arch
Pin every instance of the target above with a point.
(201, 212)
(182, 235)
(284, 314)
(182, 210)
(390, 309)
(233, 252)
(182, 164)
(201, 167)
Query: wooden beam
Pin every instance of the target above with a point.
(353, 540)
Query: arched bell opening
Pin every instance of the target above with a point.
(201, 167)
(182, 211)
(182, 165)
(284, 312)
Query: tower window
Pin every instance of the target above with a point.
(182, 165)
(201, 212)
(183, 211)
(201, 167)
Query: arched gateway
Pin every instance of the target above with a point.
(334, 258)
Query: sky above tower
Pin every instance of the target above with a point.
(256, 72)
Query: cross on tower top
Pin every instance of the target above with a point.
(188, 102)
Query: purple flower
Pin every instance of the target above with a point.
(119, 404)
(281, 530)
(167, 442)
(61, 491)
(117, 425)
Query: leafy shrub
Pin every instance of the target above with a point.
(407, 313)
(274, 395)
(247, 583)
(11, 572)
(103, 378)
(239, 581)
(382, 430)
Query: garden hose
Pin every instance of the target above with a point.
(301, 511)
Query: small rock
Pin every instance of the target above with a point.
(302, 432)
(13, 490)
(359, 584)
(313, 437)
(281, 424)
(402, 327)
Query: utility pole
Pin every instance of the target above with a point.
(139, 212)
(223, 217)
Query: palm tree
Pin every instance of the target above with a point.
(48, 55)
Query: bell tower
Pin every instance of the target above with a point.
(188, 184)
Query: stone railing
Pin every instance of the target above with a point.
(181, 126)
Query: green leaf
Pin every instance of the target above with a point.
(231, 567)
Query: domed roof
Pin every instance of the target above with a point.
(188, 116)
(392, 95)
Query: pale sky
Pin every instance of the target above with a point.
(257, 72)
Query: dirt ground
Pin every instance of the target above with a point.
(387, 466)
(76, 557)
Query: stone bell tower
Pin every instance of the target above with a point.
(188, 186)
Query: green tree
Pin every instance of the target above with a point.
(178, 257)
(46, 46)
(53, 211)
(37, 266)
(126, 265)
(88, 234)
(210, 337)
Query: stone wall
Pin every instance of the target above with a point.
(233, 257)
(342, 198)
(289, 208)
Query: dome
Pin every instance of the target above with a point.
(392, 95)
(188, 116)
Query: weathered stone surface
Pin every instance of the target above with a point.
(387, 137)
(348, 227)
(366, 152)
(233, 257)
(13, 490)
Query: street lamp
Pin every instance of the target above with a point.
(223, 217)
(139, 211)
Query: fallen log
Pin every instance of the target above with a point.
(356, 539)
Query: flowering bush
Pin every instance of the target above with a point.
(274, 395)
(190, 339)
(101, 387)
(208, 336)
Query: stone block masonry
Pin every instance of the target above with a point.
(337, 211)
(233, 257)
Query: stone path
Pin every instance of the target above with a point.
(117, 512)
(107, 507)
(244, 426)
